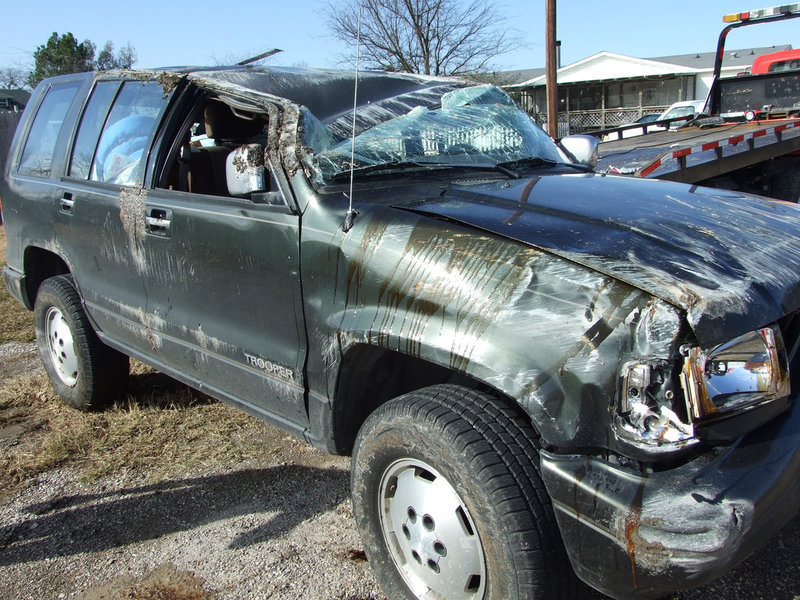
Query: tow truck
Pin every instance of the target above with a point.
(747, 137)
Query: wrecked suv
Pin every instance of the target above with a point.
(539, 371)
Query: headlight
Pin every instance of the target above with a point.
(750, 370)
(655, 416)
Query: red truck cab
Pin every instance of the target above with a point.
(785, 60)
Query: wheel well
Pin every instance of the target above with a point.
(370, 376)
(39, 265)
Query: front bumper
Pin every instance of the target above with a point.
(634, 535)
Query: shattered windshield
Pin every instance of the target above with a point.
(472, 126)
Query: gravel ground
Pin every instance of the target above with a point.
(257, 531)
(279, 528)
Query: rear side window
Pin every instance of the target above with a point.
(37, 156)
(91, 123)
(128, 133)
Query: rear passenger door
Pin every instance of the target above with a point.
(102, 206)
(34, 171)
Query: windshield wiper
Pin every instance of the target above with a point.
(397, 165)
(537, 161)
(422, 164)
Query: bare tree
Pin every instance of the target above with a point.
(12, 78)
(434, 37)
(107, 59)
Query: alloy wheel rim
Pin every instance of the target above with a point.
(61, 347)
(430, 534)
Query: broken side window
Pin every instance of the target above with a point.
(220, 151)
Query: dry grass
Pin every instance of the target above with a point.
(160, 429)
(16, 323)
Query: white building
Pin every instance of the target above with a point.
(607, 90)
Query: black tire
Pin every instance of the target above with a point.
(786, 186)
(448, 446)
(84, 372)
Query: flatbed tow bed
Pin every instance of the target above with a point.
(746, 138)
(692, 154)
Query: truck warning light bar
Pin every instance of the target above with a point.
(760, 13)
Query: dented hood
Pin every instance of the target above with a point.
(731, 261)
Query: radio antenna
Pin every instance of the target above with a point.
(350, 217)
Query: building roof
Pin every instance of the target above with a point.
(605, 66)
(520, 75)
(21, 97)
(733, 58)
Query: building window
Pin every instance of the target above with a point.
(615, 97)
(586, 98)
(661, 93)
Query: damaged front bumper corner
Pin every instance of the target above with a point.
(634, 535)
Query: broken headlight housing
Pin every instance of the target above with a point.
(649, 413)
(660, 410)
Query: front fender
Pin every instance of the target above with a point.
(540, 329)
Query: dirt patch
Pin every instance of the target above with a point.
(18, 357)
(165, 583)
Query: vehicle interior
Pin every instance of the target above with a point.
(219, 151)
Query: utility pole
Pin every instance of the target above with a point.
(551, 67)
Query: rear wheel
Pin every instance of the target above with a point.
(449, 502)
(86, 373)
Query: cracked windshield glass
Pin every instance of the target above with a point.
(477, 126)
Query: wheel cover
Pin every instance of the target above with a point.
(61, 347)
(430, 535)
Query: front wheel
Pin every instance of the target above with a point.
(449, 502)
(86, 373)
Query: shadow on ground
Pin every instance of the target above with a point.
(69, 525)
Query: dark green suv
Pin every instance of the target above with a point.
(539, 371)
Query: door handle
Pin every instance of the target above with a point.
(158, 221)
(66, 202)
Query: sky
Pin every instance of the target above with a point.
(177, 32)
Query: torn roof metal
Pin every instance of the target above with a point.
(326, 93)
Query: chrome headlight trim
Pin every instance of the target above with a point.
(747, 371)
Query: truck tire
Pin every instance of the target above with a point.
(786, 186)
(84, 372)
(449, 502)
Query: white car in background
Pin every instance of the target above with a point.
(684, 108)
